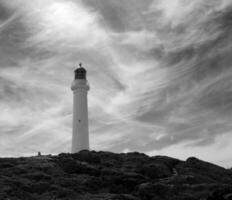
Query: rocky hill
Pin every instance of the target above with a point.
(109, 176)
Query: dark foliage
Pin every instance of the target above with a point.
(105, 175)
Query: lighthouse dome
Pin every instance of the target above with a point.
(80, 73)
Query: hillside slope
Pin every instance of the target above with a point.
(104, 175)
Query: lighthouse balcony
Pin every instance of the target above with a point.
(80, 84)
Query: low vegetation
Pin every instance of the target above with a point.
(108, 176)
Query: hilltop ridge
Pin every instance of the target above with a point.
(110, 176)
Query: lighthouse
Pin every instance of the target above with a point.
(80, 88)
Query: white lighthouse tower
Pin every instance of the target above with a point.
(80, 87)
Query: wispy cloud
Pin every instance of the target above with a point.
(159, 72)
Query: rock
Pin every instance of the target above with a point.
(155, 171)
(87, 156)
(169, 162)
(148, 191)
(203, 172)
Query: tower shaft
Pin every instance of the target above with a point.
(80, 135)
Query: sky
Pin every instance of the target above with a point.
(160, 73)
